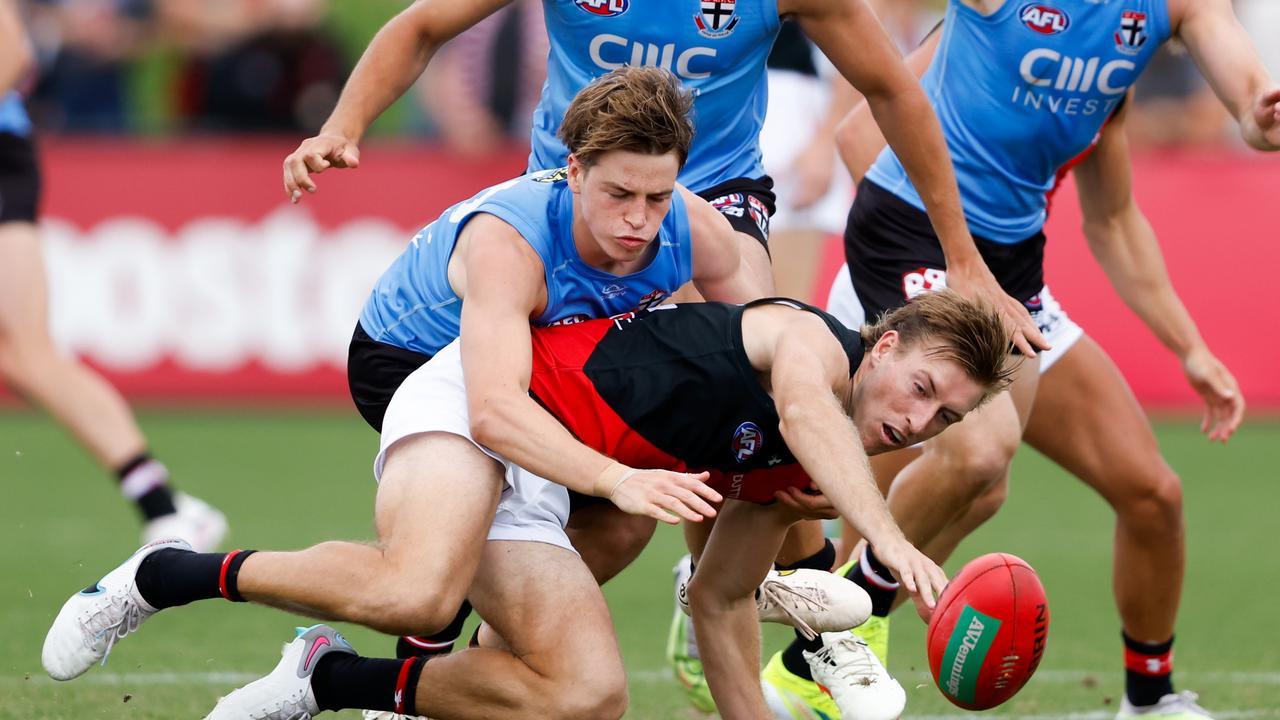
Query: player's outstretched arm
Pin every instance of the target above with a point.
(396, 56)
(16, 55)
(806, 366)
(1225, 55)
(721, 271)
(497, 361)
(1126, 247)
(849, 34)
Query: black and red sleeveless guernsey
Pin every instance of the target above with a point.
(672, 388)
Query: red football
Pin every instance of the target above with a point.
(988, 631)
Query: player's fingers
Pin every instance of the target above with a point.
(698, 484)
(675, 506)
(316, 162)
(694, 503)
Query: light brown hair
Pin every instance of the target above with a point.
(639, 109)
(964, 331)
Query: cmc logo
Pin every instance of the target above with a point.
(1049, 68)
(1044, 19)
(604, 8)
(747, 441)
(610, 52)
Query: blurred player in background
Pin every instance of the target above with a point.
(1030, 91)
(80, 399)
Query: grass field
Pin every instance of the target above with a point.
(291, 479)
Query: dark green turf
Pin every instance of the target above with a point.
(291, 479)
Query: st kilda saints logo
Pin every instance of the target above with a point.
(1132, 34)
(717, 18)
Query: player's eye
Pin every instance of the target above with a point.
(919, 389)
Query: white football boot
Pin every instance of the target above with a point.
(94, 619)
(857, 681)
(1174, 706)
(196, 521)
(812, 601)
(285, 694)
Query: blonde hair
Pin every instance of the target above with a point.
(639, 109)
(967, 332)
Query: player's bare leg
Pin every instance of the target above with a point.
(76, 396)
(733, 561)
(436, 500)
(607, 538)
(1087, 420)
(82, 401)
(796, 254)
(563, 661)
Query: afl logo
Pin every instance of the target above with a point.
(747, 441)
(1044, 19)
(604, 8)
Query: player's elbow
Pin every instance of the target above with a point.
(492, 420)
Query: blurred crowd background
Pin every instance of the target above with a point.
(170, 67)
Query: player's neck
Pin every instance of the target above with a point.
(985, 7)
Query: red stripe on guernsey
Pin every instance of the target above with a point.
(222, 573)
(401, 679)
(559, 383)
(759, 486)
(1148, 664)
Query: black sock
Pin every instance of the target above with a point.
(145, 481)
(879, 582)
(793, 658)
(440, 643)
(1148, 670)
(344, 681)
(171, 577)
(824, 559)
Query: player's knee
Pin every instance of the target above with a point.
(989, 502)
(979, 469)
(411, 608)
(598, 697)
(1155, 499)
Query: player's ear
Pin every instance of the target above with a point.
(887, 343)
(575, 174)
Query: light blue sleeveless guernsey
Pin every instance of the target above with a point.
(13, 116)
(717, 48)
(413, 306)
(1022, 92)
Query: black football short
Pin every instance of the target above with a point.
(375, 371)
(894, 254)
(19, 179)
(747, 203)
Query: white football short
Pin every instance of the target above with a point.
(434, 399)
(1061, 331)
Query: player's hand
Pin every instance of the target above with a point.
(812, 505)
(915, 571)
(811, 174)
(1266, 116)
(1223, 403)
(975, 281)
(659, 494)
(315, 155)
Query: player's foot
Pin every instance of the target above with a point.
(857, 681)
(791, 697)
(814, 601)
(875, 633)
(196, 521)
(93, 620)
(1174, 706)
(286, 693)
(682, 649)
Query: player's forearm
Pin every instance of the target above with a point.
(911, 128)
(823, 439)
(16, 55)
(389, 66)
(521, 431)
(1129, 253)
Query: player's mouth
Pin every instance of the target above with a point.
(892, 435)
(631, 242)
